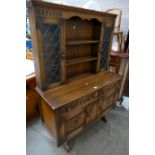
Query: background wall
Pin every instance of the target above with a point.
(104, 5)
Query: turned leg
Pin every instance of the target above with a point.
(104, 119)
(66, 146)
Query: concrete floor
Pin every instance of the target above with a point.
(111, 138)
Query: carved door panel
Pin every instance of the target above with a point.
(74, 123)
(106, 103)
(111, 90)
(92, 112)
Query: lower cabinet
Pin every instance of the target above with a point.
(65, 120)
(77, 116)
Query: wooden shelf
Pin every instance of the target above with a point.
(77, 42)
(80, 60)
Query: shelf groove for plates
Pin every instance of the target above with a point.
(80, 60)
(77, 42)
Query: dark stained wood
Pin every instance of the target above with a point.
(78, 92)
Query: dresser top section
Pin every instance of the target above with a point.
(67, 93)
(66, 8)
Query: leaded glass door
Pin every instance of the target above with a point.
(104, 52)
(51, 37)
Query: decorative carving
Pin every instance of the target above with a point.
(101, 93)
(48, 13)
(38, 22)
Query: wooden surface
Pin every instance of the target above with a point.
(80, 60)
(64, 94)
(70, 10)
(81, 36)
(72, 80)
(69, 109)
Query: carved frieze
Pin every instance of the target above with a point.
(48, 13)
(103, 93)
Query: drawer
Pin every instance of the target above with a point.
(90, 98)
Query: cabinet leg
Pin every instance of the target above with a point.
(66, 146)
(121, 100)
(104, 119)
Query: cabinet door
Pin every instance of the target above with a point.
(92, 112)
(51, 48)
(105, 47)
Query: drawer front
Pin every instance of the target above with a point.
(81, 102)
(92, 97)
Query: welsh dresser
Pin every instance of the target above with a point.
(71, 49)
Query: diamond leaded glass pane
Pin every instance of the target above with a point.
(105, 48)
(51, 52)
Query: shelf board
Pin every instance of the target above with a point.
(80, 60)
(77, 42)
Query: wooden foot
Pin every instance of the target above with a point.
(66, 146)
(104, 119)
(121, 100)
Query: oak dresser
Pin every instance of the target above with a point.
(71, 48)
